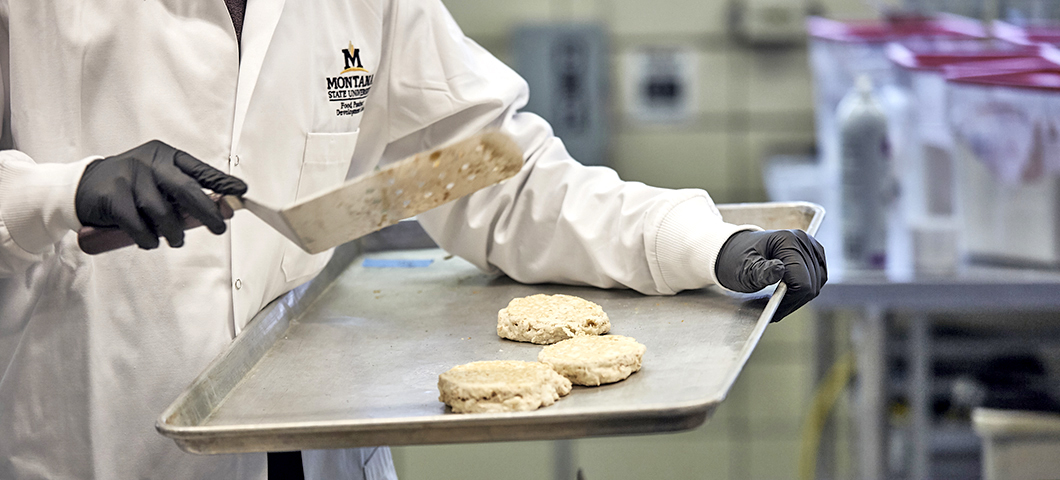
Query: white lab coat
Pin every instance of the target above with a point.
(92, 349)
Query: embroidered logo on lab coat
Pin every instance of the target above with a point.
(350, 87)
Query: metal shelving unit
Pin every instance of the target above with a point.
(912, 345)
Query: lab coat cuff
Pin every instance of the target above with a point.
(37, 200)
(687, 243)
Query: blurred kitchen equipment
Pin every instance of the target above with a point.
(1035, 34)
(840, 51)
(968, 8)
(865, 167)
(1018, 444)
(1005, 119)
(1030, 13)
(927, 225)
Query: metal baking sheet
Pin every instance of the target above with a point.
(352, 358)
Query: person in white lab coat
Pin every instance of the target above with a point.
(291, 97)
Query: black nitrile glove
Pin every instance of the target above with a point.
(145, 191)
(750, 261)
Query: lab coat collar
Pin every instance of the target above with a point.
(260, 22)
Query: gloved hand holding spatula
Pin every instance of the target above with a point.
(140, 195)
(150, 192)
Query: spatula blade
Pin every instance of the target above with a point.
(401, 190)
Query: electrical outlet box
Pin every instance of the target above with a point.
(769, 22)
(566, 66)
(661, 84)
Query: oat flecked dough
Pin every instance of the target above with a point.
(545, 319)
(501, 386)
(595, 360)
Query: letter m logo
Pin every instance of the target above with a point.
(352, 56)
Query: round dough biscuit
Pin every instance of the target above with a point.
(593, 361)
(545, 319)
(501, 386)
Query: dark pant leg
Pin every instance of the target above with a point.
(285, 466)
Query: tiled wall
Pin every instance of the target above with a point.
(752, 103)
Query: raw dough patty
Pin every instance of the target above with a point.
(501, 386)
(545, 319)
(594, 360)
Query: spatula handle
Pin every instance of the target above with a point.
(96, 240)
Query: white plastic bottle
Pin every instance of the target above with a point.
(865, 177)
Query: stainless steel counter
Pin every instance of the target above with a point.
(875, 295)
(974, 288)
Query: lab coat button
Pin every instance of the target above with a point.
(234, 160)
(239, 284)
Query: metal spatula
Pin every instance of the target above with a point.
(369, 202)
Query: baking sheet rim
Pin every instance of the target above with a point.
(184, 435)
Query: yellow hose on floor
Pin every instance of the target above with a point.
(824, 398)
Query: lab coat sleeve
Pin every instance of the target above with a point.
(36, 200)
(557, 220)
(36, 208)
